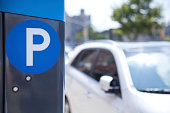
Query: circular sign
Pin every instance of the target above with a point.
(33, 46)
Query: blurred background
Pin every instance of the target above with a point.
(97, 73)
(119, 20)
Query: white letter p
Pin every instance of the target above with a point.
(30, 47)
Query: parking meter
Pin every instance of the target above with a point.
(31, 56)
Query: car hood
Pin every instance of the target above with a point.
(151, 102)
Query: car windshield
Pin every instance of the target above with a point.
(150, 68)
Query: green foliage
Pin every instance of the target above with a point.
(117, 31)
(79, 35)
(93, 35)
(137, 17)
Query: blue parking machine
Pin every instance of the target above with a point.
(31, 56)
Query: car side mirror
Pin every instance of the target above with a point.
(106, 85)
(105, 82)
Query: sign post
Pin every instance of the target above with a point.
(32, 56)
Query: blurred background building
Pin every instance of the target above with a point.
(81, 28)
(76, 24)
(167, 33)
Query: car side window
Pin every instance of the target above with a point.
(105, 65)
(84, 61)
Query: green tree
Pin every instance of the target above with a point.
(137, 17)
(93, 35)
(79, 35)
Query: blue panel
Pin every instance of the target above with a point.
(51, 9)
(1, 64)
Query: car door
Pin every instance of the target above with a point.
(100, 101)
(77, 81)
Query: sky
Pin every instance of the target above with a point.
(101, 11)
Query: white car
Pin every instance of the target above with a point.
(112, 77)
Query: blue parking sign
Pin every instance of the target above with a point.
(33, 46)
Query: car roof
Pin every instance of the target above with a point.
(130, 45)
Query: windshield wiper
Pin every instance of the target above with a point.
(155, 90)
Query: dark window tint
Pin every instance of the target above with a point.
(85, 60)
(74, 63)
(105, 65)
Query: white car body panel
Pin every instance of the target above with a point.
(86, 96)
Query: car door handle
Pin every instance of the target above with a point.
(88, 94)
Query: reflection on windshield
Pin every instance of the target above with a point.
(150, 69)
